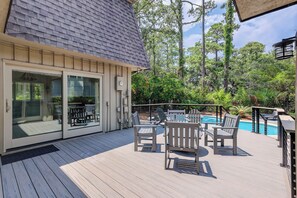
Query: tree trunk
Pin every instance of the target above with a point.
(203, 70)
(228, 33)
(181, 39)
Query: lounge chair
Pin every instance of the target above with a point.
(227, 130)
(143, 132)
(182, 137)
(272, 116)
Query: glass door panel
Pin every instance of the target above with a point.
(83, 102)
(36, 104)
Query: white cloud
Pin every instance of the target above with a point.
(191, 40)
(267, 29)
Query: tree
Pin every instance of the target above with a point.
(158, 32)
(195, 12)
(228, 34)
(215, 39)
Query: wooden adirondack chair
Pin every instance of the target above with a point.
(182, 136)
(227, 130)
(143, 132)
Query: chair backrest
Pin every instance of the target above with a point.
(275, 113)
(176, 117)
(194, 111)
(90, 108)
(173, 111)
(135, 119)
(77, 112)
(231, 121)
(182, 135)
(194, 117)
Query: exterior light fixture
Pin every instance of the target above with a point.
(285, 48)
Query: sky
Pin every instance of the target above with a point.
(267, 29)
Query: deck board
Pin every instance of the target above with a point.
(105, 165)
(41, 186)
(10, 186)
(24, 182)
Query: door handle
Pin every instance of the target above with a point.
(7, 106)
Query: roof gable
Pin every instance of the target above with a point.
(104, 28)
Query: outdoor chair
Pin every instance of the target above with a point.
(77, 116)
(182, 137)
(194, 117)
(227, 130)
(143, 132)
(177, 118)
(272, 116)
(90, 111)
(173, 111)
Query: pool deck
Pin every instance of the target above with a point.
(105, 165)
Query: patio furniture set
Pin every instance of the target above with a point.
(183, 131)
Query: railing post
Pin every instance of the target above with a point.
(293, 164)
(253, 119)
(280, 133)
(258, 120)
(217, 114)
(284, 148)
(265, 127)
(150, 110)
(221, 113)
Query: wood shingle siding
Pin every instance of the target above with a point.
(103, 28)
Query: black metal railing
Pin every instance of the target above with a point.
(210, 109)
(257, 114)
(286, 130)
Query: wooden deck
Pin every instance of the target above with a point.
(105, 165)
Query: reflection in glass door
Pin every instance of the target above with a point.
(83, 103)
(36, 104)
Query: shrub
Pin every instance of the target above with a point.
(242, 111)
(221, 98)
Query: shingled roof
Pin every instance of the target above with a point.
(104, 28)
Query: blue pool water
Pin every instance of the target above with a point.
(244, 125)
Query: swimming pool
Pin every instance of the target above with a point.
(245, 125)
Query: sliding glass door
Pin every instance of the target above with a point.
(83, 104)
(33, 100)
(46, 105)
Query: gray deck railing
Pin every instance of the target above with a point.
(150, 108)
(286, 130)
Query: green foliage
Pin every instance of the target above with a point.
(241, 97)
(221, 98)
(252, 74)
(242, 111)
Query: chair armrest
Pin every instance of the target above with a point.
(145, 126)
(207, 123)
(213, 123)
(220, 127)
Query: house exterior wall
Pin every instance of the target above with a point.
(29, 56)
